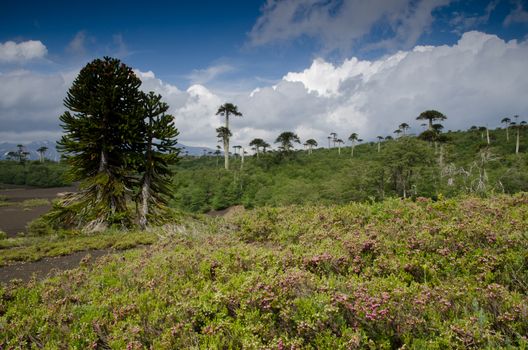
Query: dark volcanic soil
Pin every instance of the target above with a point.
(46, 267)
(14, 218)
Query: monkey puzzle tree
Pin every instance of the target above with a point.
(507, 122)
(353, 138)
(42, 151)
(311, 143)
(286, 138)
(158, 151)
(431, 115)
(115, 141)
(226, 110)
(258, 144)
(404, 127)
(101, 132)
(380, 138)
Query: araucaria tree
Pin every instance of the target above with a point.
(286, 138)
(311, 143)
(431, 115)
(114, 139)
(158, 151)
(353, 138)
(226, 110)
(258, 144)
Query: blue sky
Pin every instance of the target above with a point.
(211, 51)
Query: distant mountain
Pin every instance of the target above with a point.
(52, 153)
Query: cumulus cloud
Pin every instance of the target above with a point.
(30, 104)
(477, 81)
(339, 24)
(12, 52)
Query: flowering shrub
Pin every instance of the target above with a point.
(434, 275)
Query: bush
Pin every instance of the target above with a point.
(38, 227)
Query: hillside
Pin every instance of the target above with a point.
(424, 274)
(465, 164)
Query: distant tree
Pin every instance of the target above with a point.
(311, 143)
(159, 153)
(237, 149)
(265, 146)
(507, 122)
(217, 153)
(329, 140)
(404, 127)
(388, 137)
(286, 138)
(518, 128)
(334, 137)
(353, 138)
(397, 132)
(258, 144)
(379, 142)
(226, 110)
(223, 134)
(431, 115)
(339, 143)
(42, 151)
(403, 161)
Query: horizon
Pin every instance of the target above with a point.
(312, 68)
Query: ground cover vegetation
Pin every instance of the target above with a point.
(417, 274)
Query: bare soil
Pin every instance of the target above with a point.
(47, 267)
(227, 212)
(14, 218)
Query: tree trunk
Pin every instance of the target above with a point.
(487, 136)
(517, 143)
(339, 149)
(379, 147)
(226, 154)
(145, 197)
(441, 158)
(352, 152)
(507, 133)
(242, 159)
(226, 144)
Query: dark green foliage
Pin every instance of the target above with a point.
(158, 150)
(115, 142)
(455, 166)
(31, 173)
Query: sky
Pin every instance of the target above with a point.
(308, 66)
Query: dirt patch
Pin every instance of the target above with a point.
(47, 267)
(228, 212)
(19, 194)
(14, 218)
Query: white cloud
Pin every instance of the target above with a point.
(12, 52)
(339, 24)
(202, 76)
(477, 81)
(77, 45)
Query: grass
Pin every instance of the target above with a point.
(34, 202)
(36, 248)
(420, 275)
